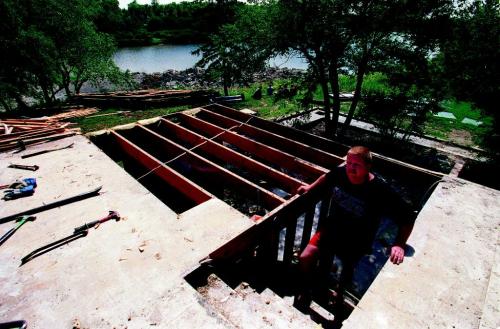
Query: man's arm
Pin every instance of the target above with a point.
(398, 249)
(404, 216)
(320, 181)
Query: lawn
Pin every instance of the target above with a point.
(270, 107)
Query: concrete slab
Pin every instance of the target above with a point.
(473, 122)
(452, 280)
(124, 274)
(445, 115)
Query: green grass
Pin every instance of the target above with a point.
(269, 108)
(155, 41)
(442, 127)
(89, 124)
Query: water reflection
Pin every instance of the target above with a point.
(178, 57)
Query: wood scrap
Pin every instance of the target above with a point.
(144, 98)
(18, 133)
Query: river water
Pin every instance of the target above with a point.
(178, 57)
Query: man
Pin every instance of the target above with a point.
(359, 199)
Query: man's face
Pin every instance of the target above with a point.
(356, 168)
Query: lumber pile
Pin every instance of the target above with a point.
(18, 133)
(72, 113)
(144, 98)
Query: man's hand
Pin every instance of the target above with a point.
(397, 255)
(303, 189)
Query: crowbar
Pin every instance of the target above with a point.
(46, 151)
(78, 232)
(25, 167)
(55, 204)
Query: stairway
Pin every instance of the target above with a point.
(244, 307)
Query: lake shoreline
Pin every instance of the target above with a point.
(192, 78)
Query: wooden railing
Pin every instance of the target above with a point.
(308, 209)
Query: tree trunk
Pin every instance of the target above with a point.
(225, 79)
(333, 75)
(78, 86)
(5, 105)
(226, 90)
(78, 83)
(357, 91)
(326, 103)
(21, 105)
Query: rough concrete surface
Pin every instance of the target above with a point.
(128, 273)
(452, 280)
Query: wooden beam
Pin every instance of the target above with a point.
(308, 170)
(270, 199)
(306, 152)
(288, 132)
(324, 144)
(171, 177)
(282, 216)
(228, 155)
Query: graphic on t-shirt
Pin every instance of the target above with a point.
(348, 203)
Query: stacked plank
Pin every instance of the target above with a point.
(72, 113)
(144, 98)
(17, 133)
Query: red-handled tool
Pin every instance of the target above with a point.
(86, 226)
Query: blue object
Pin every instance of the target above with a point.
(19, 193)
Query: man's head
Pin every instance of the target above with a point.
(358, 164)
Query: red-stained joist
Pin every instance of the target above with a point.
(270, 199)
(171, 177)
(294, 164)
(319, 157)
(228, 155)
(288, 132)
(389, 165)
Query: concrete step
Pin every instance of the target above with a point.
(243, 307)
(283, 314)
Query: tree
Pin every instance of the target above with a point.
(470, 58)
(317, 31)
(49, 46)
(235, 52)
(388, 34)
(353, 36)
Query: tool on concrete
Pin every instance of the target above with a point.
(46, 151)
(53, 245)
(86, 226)
(18, 193)
(51, 205)
(20, 189)
(19, 324)
(25, 167)
(20, 222)
(78, 233)
(20, 183)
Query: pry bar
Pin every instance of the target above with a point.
(55, 204)
(46, 151)
(25, 167)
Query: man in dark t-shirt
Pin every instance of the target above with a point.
(359, 199)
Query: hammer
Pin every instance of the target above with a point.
(86, 226)
(20, 220)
